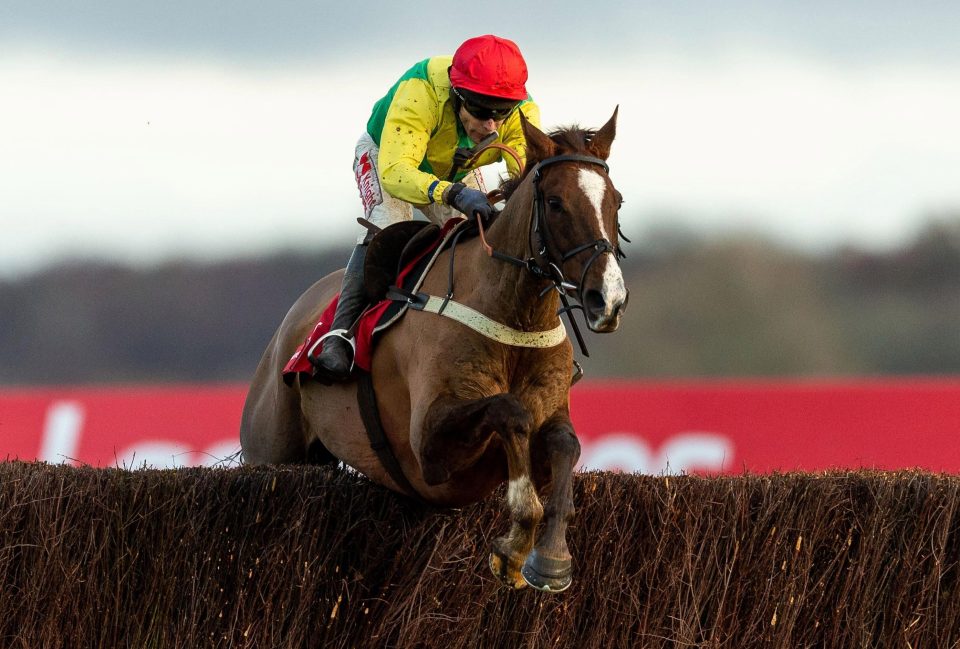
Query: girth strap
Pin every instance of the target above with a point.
(370, 414)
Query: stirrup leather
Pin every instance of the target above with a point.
(343, 334)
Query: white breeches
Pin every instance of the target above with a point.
(382, 209)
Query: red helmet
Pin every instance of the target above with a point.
(490, 65)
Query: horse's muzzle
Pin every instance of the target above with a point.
(603, 314)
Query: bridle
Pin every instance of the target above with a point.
(541, 227)
(540, 263)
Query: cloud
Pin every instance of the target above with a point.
(144, 157)
(258, 33)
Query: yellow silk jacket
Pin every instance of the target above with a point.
(417, 131)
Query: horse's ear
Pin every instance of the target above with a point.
(600, 144)
(539, 145)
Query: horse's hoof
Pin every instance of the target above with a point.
(546, 574)
(500, 567)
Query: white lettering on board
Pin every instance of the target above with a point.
(62, 425)
(681, 453)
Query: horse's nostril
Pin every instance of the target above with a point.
(593, 301)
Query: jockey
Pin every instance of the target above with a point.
(405, 159)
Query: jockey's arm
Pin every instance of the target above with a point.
(410, 122)
(411, 119)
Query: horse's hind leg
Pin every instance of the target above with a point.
(271, 427)
(451, 419)
(555, 449)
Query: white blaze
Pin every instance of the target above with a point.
(595, 188)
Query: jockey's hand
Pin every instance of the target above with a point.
(472, 202)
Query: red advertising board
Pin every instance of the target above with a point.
(652, 427)
(761, 426)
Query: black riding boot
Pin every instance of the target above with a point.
(334, 363)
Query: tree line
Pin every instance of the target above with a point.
(699, 307)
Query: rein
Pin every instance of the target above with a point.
(463, 158)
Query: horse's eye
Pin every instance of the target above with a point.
(556, 205)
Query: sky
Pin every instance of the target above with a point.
(141, 132)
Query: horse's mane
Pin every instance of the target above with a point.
(569, 139)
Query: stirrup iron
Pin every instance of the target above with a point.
(343, 334)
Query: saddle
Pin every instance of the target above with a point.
(390, 251)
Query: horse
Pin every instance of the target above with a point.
(464, 413)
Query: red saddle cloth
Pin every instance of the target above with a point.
(364, 337)
(370, 321)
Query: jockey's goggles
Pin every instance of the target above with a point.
(481, 111)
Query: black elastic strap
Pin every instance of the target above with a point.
(414, 300)
(370, 413)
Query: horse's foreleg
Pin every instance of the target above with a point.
(557, 449)
(453, 422)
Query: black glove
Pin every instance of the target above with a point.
(471, 202)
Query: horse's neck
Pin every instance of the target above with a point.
(514, 295)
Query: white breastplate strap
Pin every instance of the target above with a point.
(493, 329)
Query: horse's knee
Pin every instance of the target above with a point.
(566, 444)
(508, 416)
(556, 443)
(554, 452)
